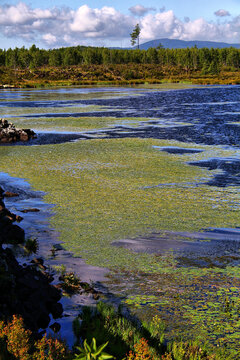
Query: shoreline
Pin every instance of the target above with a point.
(48, 240)
(154, 84)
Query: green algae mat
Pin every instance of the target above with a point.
(106, 190)
(111, 192)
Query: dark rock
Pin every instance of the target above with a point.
(43, 320)
(38, 261)
(19, 218)
(27, 291)
(96, 296)
(9, 133)
(55, 327)
(55, 309)
(1, 191)
(30, 210)
(10, 194)
(15, 235)
(53, 293)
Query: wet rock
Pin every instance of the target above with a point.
(38, 261)
(10, 194)
(55, 309)
(25, 289)
(2, 206)
(43, 320)
(9, 133)
(1, 192)
(19, 218)
(30, 210)
(15, 235)
(55, 327)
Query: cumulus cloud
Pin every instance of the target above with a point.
(63, 26)
(21, 14)
(222, 13)
(140, 10)
(49, 39)
(100, 23)
(162, 24)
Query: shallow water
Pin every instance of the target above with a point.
(36, 225)
(201, 115)
(194, 129)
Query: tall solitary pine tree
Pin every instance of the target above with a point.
(135, 35)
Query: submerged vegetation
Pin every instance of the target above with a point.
(101, 177)
(107, 192)
(80, 65)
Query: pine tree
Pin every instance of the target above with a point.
(135, 35)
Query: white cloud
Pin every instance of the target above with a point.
(140, 10)
(222, 13)
(63, 26)
(49, 39)
(21, 14)
(100, 23)
(159, 25)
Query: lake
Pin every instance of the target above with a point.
(144, 183)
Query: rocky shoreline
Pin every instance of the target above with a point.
(10, 134)
(26, 289)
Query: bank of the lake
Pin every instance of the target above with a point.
(148, 75)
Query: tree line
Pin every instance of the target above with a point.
(190, 59)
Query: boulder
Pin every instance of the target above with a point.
(9, 133)
(10, 194)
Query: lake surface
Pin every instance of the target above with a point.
(203, 116)
(146, 183)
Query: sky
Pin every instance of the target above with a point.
(58, 23)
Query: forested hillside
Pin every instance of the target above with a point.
(191, 58)
(83, 64)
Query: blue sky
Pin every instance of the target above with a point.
(57, 23)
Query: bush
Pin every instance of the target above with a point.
(17, 343)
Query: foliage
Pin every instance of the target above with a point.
(17, 338)
(92, 352)
(70, 283)
(104, 323)
(50, 349)
(17, 343)
(31, 246)
(179, 350)
(76, 328)
(190, 58)
(36, 67)
(135, 35)
(141, 351)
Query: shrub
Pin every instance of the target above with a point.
(17, 343)
(141, 351)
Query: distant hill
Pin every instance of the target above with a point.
(181, 44)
